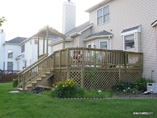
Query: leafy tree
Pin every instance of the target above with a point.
(2, 20)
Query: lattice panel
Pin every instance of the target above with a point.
(100, 79)
(105, 79)
(76, 75)
(130, 75)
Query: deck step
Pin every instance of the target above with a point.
(43, 75)
(29, 86)
(34, 82)
(48, 73)
(51, 69)
(39, 79)
(21, 89)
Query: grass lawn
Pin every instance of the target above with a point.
(28, 105)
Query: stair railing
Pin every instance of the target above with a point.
(35, 70)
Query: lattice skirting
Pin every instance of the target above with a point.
(98, 78)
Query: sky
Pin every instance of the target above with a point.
(26, 17)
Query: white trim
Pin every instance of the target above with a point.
(102, 15)
(101, 36)
(139, 29)
(80, 32)
(103, 41)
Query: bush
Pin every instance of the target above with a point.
(15, 82)
(141, 83)
(65, 89)
(120, 86)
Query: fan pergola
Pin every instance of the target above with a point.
(45, 32)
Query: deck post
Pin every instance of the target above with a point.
(82, 70)
(106, 59)
(47, 41)
(68, 70)
(60, 60)
(125, 58)
(43, 45)
(23, 83)
(18, 80)
(38, 46)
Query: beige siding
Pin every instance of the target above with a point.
(128, 13)
(84, 35)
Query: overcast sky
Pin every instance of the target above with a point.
(26, 17)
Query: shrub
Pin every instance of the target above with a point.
(65, 89)
(141, 83)
(120, 86)
(15, 82)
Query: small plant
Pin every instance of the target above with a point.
(120, 86)
(15, 82)
(65, 89)
(141, 83)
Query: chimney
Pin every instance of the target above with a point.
(69, 16)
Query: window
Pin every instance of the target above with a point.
(103, 45)
(10, 66)
(106, 14)
(103, 15)
(22, 48)
(129, 42)
(10, 53)
(99, 16)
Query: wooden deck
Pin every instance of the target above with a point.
(86, 66)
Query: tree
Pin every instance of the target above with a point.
(2, 20)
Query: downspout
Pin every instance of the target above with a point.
(110, 42)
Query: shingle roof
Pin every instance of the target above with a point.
(79, 28)
(130, 29)
(99, 34)
(16, 40)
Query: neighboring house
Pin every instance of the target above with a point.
(19, 53)
(129, 25)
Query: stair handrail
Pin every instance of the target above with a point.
(32, 64)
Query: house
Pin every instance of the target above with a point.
(18, 53)
(128, 25)
(113, 42)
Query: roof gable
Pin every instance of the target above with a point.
(79, 29)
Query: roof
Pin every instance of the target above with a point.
(16, 40)
(98, 34)
(132, 28)
(100, 4)
(154, 23)
(80, 28)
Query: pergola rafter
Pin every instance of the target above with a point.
(45, 32)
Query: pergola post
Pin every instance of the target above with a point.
(38, 46)
(63, 43)
(43, 45)
(47, 41)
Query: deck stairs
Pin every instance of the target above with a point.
(36, 75)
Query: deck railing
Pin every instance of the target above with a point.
(90, 57)
(81, 57)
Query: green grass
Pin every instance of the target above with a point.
(28, 105)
